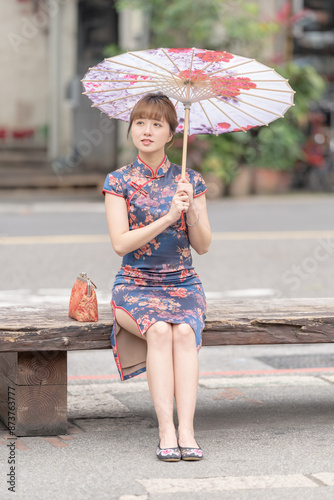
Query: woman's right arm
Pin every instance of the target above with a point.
(125, 241)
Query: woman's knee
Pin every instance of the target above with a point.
(184, 335)
(159, 334)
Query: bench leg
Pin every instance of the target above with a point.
(33, 392)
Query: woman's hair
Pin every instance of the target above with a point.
(155, 107)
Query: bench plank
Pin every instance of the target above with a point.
(228, 322)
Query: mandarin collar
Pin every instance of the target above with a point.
(149, 172)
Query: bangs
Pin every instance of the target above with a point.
(155, 107)
(150, 111)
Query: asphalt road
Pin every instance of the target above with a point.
(265, 413)
(278, 246)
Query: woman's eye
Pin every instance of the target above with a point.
(157, 125)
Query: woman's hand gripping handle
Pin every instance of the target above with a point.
(182, 199)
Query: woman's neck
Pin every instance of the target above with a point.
(153, 160)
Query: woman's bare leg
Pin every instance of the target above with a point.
(127, 322)
(160, 377)
(185, 381)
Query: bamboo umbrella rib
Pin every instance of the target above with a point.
(212, 126)
(178, 69)
(275, 90)
(174, 99)
(226, 114)
(116, 72)
(268, 99)
(253, 72)
(121, 112)
(274, 81)
(123, 88)
(118, 99)
(204, 92)
(158, 78)
(180, 87)
(205, 83)
(112, 81)
(169, 86)
(231, 67)
(205, 67)
(190, 71)
(150, 62)
(179, 90)
(124, 97)
(168, 83)
(173, 91)
(258, 107)
(171, 60)
(141, 69)
(245, 112)
(124, 80)
(201, 94)
(209, 76)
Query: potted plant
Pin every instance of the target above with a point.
(273, 156)
(272, 152)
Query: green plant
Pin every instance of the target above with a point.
(309, 86)
(278, 146)
(112, 50)
(222, 158)
(211, 24)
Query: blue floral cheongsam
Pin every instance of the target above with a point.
(156, 282)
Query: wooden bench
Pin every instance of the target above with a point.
(34, 342)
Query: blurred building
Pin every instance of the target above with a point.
(312, 32)
(47, 127)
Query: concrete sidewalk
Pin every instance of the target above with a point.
(264, 436)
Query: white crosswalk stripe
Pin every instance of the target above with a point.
(171, 485)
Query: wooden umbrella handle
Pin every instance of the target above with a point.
(185, 142)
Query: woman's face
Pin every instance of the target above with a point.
(150, 136)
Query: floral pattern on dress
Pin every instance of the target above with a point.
(156, 282)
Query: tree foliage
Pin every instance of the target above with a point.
(210, 24)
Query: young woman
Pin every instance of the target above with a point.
(158, 299)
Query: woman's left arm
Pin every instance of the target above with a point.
(200, 233)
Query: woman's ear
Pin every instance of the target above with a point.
(171, 141)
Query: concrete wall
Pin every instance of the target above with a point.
(24, 67)
(25, 61)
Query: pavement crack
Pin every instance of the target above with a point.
(325, 379)
(317, 481)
